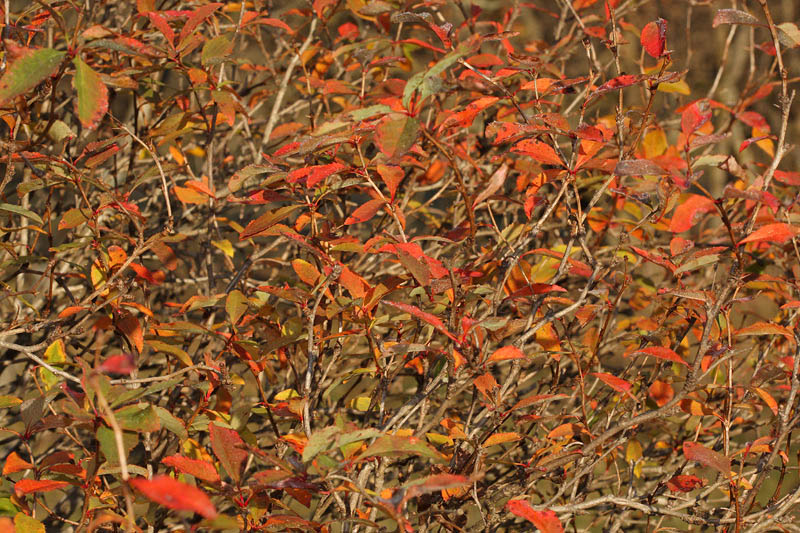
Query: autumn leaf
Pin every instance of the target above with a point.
(546, 521)
(654, 37)
(92, 102)
(778, 232)
(706, 457)
(175, 495)
(422, 315)
(194, 467)
(662, 352)
(505, 353)
(538, 151)
(396, 134)
(365, 211)
(229, 448)
(29, 68)
(28, 486)
(684, 483)
(685, 215)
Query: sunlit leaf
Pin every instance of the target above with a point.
(29, 68)
(175, 495)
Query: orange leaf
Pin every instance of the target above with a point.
(15, 463)
(27, 486)
(661, 392)
(662, 352)
(505, 353)
(539, 151)
(175, 495)
(365, 212)
(500, 438)
(546, 521)
(130, 327)
(778, 233)
(684, 216)
(768, 399)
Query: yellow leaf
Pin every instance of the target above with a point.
(764, 144)
(680, 87)
(224, 245)
(286, 394)
(360, 403)
(655, 143)
(634, 451)
(56, 353)
(438, 438)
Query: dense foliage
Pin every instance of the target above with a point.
(360, 266)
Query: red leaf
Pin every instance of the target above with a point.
(422, 315)
(365, 211)
(546, 521)
(175, 495)
(620, 82)
(27, 486)
(706, 457)
(228, 446)
(118, 364)
(618, 384)
(197, 17)
(662, 353)
(779, 232)
(685, 214)
(694, 116)
(314, 174)
(685, 483)
(654, 37)
(539, 151)
(751, 140)
(163, 26)
(194, 467)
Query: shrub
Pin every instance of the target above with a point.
(363, 266)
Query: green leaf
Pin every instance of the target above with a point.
(140, 417)
(424, 81)
(171, 349)
(28, 70)
(241, 176)
(105, 436)
(92, 101)
(26, 524)
(395, 445)
(171, 423)
(17, 210)
(266, 221)
(216, 50)
(9, 401)
(74, 217)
